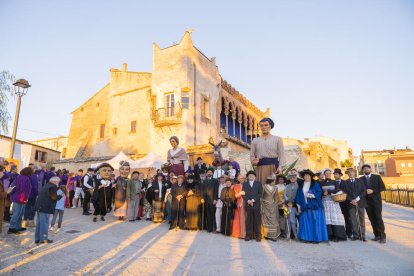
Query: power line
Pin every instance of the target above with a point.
(37, 131)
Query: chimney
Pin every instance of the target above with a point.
(124, 67)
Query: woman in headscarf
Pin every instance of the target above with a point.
(312, 225)
(193, 202)
(120, 186)
(101, 197)
(270, 213)
(177, 157)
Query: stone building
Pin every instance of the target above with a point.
(57, 143)
(184, 95)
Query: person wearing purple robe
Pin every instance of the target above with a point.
(64, 177)
(50, 174)
(29, 210)
(41, 176)
(177, 157)
(19, 197)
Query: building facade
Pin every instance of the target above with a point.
(26, 152)
(184, 95)
(390, 163)
(57, 143)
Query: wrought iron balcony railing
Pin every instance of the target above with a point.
(167, 116)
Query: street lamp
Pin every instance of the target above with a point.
(20, 89)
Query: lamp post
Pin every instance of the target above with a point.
(20, 89)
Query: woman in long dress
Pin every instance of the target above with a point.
(239, 222)
(335, 221)
(312, 225)
(270, 212)
(101, 196)
(228, 198)
(177, 157)
(193, 202)
(120, 186)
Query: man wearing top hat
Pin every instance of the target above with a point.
(267, 152)
(199, 167)
(252, 195)
(101, 197)
(375, 186)
(344, 205)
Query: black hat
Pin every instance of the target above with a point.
(338, 171)
(267, 119)
(307, 171)
(161, 174)
(104, 165)
(250, 172)
(210, 169)
(191, 176)
(366, 166)
(199, 158)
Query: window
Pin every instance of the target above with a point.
(410, 165)
(64, 150)
(40, 156)
(206, 108)
(133, 126)
(185, 100)
(169, 105)
(115, 131)
(102, 131)
(403, 165)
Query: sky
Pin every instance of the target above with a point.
(342, 69)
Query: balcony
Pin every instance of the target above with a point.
(167, 116)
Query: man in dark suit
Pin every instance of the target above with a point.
(252, 194)
(199, 167)
(344, 205)
(209, 191)
(178, 192)
(356, 191)
(375, 186)
(158, 191)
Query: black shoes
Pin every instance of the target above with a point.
(86, 214)
(46, 241)
(376, 239)
(247, 239)
(383, 241)
(95, 219)
(102, 218)
(13, 231)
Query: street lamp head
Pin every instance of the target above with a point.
(21, 86)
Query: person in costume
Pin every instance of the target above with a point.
(270, 213)
(177, 157)
(219, 203)
(344, 205)
(253, 192)
(178, 193)
(289, 198)
(312, 224)
(120, 186)
(375, 186)
(335, 222)
(158, 191)
(267, 152)
(283, 209)
(101, 197)
(193, 202)
(239, 222)
(209, 191)
(133, 196)
(228, 198)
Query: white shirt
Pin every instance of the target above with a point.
(160, 190)
(251, 183)
(218, 173)
(219, 203)
(305, 189)
(85, 181)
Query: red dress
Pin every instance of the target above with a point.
(239, 222)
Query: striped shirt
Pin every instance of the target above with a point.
(270, 147)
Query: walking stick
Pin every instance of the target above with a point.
(359, 222)
(106, 204)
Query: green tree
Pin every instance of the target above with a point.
(6, 89)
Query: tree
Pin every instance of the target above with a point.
(6, 89)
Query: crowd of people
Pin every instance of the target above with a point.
(263, 203)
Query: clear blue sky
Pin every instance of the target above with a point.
(343, 69)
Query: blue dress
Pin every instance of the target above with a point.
(312, 225)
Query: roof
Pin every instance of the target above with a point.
(27, 143)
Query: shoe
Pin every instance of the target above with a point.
(86, 214)
(376, 239)
(364, 239)
(354, 239)
(102, 218)
(56, 230)
(171, 227)
(258, 239)
(46, 241)
(383, 241)
(247, 239)
(13, 231)
(131, 220)
(37, 241)
(95, 219)
(149, 219)
(21, 229)
(73, 207)
(138, 218)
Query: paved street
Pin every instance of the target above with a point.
(143, 248)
